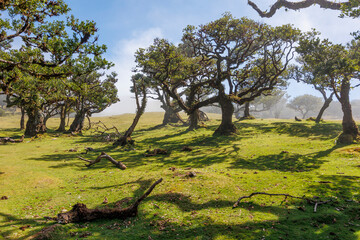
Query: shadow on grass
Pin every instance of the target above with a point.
(322, 131)
(209, 149)
(12, 131)
(286, 162)
(11, 224)
(293, 220)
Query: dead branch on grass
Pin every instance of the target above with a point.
(5, 140)
(108, 134)
(101, 156)
(80, 213)
(314, 201)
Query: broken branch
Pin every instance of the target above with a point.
(9, 139)
(80, 213)
(309, 200)
(101, 156)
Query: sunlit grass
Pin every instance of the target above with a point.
(42, 178)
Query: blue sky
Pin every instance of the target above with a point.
(126, 25)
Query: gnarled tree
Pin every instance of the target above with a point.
(248, 59)
(337, 66)
(178, 75)
(92, 95)
(48, 48)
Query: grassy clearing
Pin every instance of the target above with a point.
(42, 178)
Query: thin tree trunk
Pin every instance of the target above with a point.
(247, 110)
(89, 121)
(62, 119)
(226, 127)
(324, 107)
(68, 119)
(123, 140)
(22, 120)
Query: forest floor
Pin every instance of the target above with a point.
(43, 176)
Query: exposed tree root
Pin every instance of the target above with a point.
(101, 156)
(80, 213)
(314, 201)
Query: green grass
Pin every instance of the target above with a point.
(42, 178)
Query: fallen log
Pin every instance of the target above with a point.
(314, 200)
(80, 213)
(101, 156)
(11, 140)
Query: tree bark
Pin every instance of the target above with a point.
(62, 119)
(350, 129)
(247, 110)
(194, 120)
(324, 107)
(78, 124)
(22, 120)
(35, 123)
(226, 127)
(171, 116)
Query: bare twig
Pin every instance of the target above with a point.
(104, 132)
(309, 200)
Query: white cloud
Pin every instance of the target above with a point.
(124, 60)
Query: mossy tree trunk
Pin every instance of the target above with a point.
(194, 120)
(350, 129)
(227, 126)
(35, 123)
(78, 124)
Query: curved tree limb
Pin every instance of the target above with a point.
(295, 6)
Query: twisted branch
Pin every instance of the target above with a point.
(295, 6)
(309, 200)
